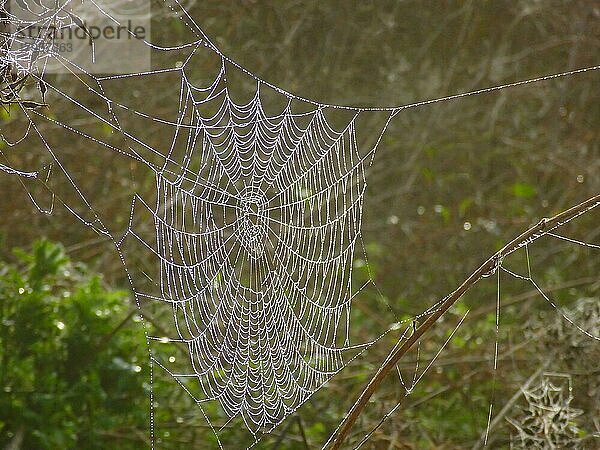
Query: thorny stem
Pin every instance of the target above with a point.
(486, 269)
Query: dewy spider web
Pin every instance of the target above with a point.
(255, 233)
(256, 219)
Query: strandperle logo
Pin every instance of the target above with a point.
(84, 31)
(81, 36)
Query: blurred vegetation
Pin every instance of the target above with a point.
(449, 185)
(70, 369)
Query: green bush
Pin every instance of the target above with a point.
(72, 363)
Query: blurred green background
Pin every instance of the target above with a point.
(450, 184)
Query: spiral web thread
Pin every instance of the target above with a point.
(256, 220)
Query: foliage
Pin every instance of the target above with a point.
(71, 375)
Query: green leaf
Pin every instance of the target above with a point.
(523, 190)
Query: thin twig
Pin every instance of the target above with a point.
(486, 269)
(106, 339)
(302, 433)
(282, 435)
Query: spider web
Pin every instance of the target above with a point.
(256, 222)
(256, 218)
(255, 233)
